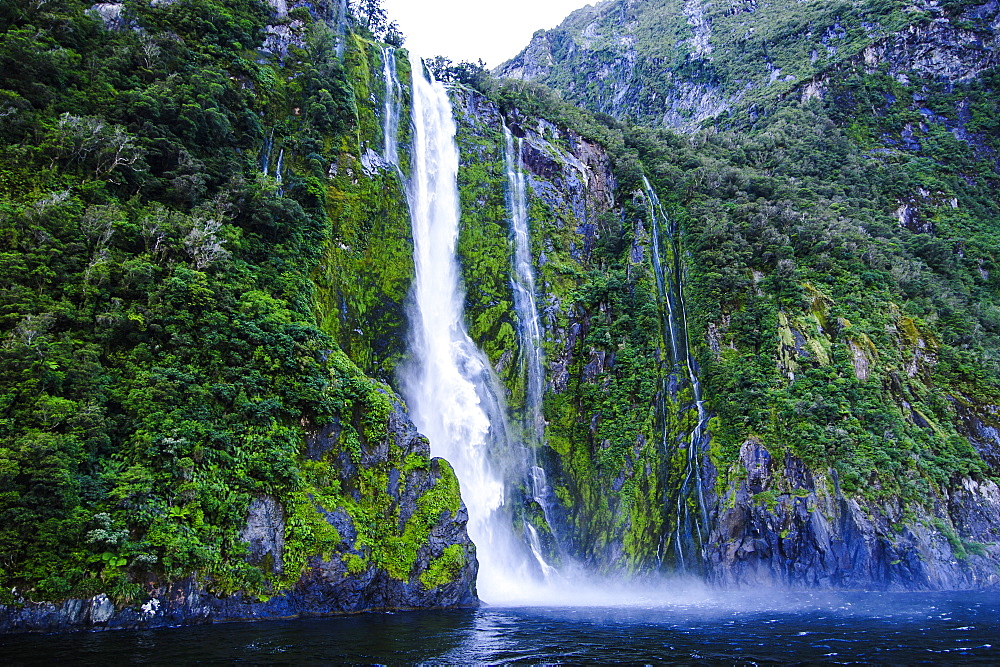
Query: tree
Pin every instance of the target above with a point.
(372, 16)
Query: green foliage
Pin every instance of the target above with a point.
(445, 569)
(160, 362)
(834, 328)
(364, 277)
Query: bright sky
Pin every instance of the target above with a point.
(474, 29)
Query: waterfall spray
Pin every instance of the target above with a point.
(687, 535)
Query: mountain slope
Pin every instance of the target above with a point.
(181, 439)
(839, 224)
(678, 63)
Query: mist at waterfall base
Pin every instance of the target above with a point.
(804, 627)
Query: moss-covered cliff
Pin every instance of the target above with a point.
(837, 275)
(176, 407)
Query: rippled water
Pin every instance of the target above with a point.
(748, 629)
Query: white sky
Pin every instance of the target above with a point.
(474, 29)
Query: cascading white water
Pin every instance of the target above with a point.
(393, 96)
(341, 29)
(524, 291)
(671, 294)
(449, 388)
(279, 167)
(451, 392)
(530, 334)
(265, 153)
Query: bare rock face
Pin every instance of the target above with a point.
(783, 526)
(110, 13)
(265, 532)
(535, 62)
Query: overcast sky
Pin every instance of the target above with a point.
(474, 29)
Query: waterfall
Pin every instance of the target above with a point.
(278, 168)
(341, 29)
(687, 535)
(449, 387)
(393, 98)
(530, 335)
(265, 152)
(524, 292)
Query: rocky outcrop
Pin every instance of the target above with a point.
(782, 525)
(349, 581)
(265, 533)
(110, 13)
(952, 49)
(682, 65)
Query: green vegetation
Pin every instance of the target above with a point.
(161, 363)
(839, 274)
(206, 264)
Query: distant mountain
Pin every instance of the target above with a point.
(678, 63)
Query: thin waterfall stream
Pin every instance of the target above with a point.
(391, 111)
(524, 291)
(688, 531)
(530, 334)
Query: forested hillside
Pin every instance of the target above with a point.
(164, 204)
(840, 228)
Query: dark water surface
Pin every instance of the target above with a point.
(952, 628)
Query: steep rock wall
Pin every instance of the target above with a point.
(786, 526)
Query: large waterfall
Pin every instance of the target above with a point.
(450, 390)
(690, 523)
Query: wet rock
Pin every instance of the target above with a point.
(265, 532)
(322, 440)
(780, 526)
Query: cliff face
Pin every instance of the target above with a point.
(817, 392)
(680, 63)
(786, 526)
(618, 426)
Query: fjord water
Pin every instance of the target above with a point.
(830, 628)
(452, 395)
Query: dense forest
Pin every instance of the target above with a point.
(161, 359)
